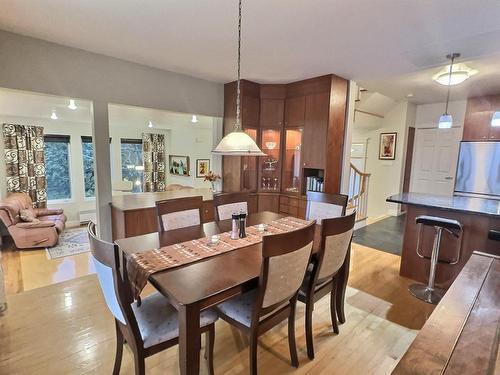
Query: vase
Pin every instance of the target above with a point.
(213, 186)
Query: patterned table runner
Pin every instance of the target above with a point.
(142, 265)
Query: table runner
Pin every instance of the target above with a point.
(142, 265)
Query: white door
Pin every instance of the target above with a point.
(435, 160)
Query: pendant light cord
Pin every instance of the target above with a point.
(453, 55)
(238, 91)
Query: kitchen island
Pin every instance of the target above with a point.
(477, 215)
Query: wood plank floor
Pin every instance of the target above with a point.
(65, 328)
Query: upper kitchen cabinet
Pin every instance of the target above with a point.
(477, 123)
(272, 106)
(295, 111)
(315, 130)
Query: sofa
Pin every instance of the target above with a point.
(43, 232)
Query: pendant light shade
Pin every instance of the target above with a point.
(495, 120)
(238, 143)
(445, 121)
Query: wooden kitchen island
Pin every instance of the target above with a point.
(477, 216)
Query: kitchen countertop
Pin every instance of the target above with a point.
(479, 206)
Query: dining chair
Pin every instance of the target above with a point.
(228, 203)
(179, 212)
(321, 276)
(284, 262)
(325, 206)
(148, 328)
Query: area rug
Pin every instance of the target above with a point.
(71, 242)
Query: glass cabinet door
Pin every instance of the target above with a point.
(270, 165)
(249, 166)
(292, 160)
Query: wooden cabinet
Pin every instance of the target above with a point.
(269, 202)
(271, 113)
(295, 111)
(270, 165)
(249, 111)
(315, 130)
(292, 160)
(477, 123)
(293, 206)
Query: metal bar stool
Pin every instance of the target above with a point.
(429, 293)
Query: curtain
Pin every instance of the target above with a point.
(24, 160)
(153, 148)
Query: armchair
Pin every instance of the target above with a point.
(44, 233)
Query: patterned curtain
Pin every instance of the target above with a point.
(153, 147)
(24, 159)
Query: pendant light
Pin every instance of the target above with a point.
(446, 120)
(238, 143)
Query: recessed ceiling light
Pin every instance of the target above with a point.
(194, 119)
(410, 95)
(53, 116)
(459, 73)
(150, 124)
(72, 104)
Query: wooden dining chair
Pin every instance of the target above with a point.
(321, 277)
(228, 203)
(148, 328)
(284, 262)
(179, 212)
(325, 206)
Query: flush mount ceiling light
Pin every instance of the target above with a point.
(453, 75)
(72, 104)
(194, 119)
(150, 124)
(238, 143)
(53, 116)
(495, 119)
(446, 120)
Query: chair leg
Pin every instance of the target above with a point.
(119, 350)
(333, 307)
(140, 367)
(291, 334)
(209, 348)
(309, 329)
(253, 353)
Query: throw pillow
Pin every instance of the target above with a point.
(28, 216)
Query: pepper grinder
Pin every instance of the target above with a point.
(235, 225)
(243, 223)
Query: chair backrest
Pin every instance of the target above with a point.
(325, 206)
(285, 260)
(179, 212)
(228, 203)
(117, 294)
(336, 236)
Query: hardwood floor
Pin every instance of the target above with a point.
(65, 328)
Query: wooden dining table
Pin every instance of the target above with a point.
(205, 283)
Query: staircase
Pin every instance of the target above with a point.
(358, 192)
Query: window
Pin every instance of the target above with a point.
(88, 167)
(57, 167)
(132, 166)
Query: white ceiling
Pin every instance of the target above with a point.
(375, 42)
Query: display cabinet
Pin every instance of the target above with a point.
(292, 161)
(270, 165)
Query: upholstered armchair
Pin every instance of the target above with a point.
(43, 232)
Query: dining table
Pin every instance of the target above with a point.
(194, 287)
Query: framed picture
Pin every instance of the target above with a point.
(202, 167)
(387, 147)
(178, 165)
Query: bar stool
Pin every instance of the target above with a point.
(429, 293)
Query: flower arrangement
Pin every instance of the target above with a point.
(212, 178)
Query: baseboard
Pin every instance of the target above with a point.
(72, 224)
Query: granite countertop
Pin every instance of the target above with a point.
(480, 206)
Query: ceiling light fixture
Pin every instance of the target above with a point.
(72, 104)
(194, 119)
(238, 143)
(495, 119)
(150, 124)
(446, 120)
(453, 75)
(53, 116)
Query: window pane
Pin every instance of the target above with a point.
(88, 169)
(132, 167)
(57, 170)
